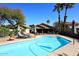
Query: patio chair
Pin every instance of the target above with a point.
(23, 35)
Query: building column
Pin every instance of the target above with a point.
(42, 31)
(35, 30)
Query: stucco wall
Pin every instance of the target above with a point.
(27, 31)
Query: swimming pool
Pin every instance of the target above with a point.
(38, 47)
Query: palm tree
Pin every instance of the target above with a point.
(58, 7)
(48, 21)
(66, 6)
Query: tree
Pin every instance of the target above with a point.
(59, 26)
(58, 7)
(18, 17)
(66, 6)
(48, 21)
(14, 16)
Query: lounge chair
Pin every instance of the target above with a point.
(28, 35)
(23, 35)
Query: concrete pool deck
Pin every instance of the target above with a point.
(69, 49)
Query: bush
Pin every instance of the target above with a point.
(4, 31)
(70, 34)
(15, 31)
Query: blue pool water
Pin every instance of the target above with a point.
(37, 47)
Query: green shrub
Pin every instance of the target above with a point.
(4, 31)
(15, 31)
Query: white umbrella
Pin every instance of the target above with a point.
(35, 28)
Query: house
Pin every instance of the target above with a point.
(76, 26)
(77, 30)
(25, 29)
(42, 28)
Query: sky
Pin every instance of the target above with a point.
(36, 13)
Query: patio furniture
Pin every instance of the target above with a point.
(20, 35)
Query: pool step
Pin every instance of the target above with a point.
(49, 45)
(38, 51)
